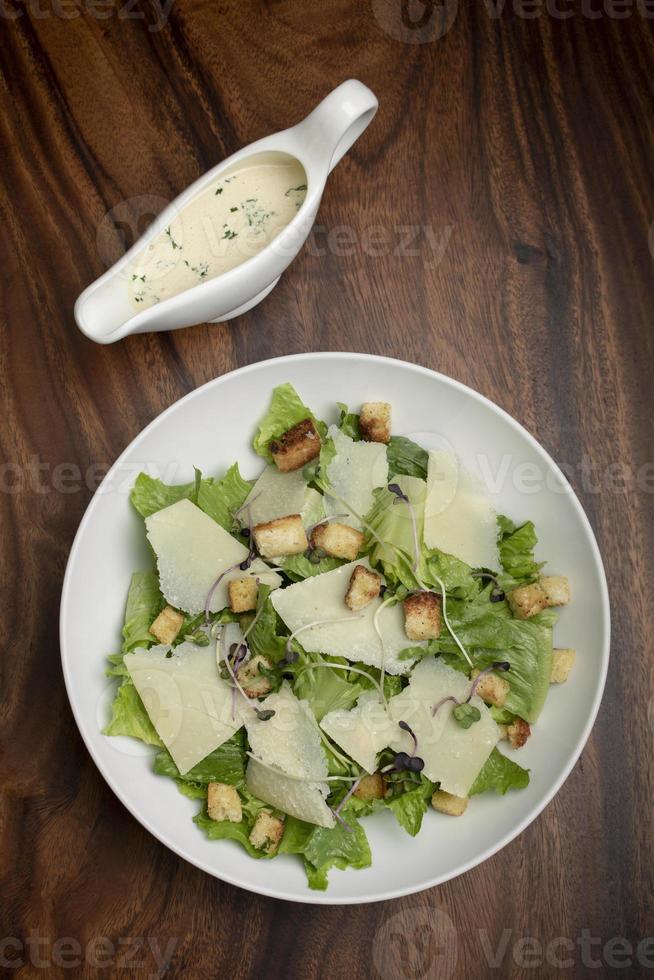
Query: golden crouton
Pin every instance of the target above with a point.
(283, 536)
(556, 589)
(492, 689)
(363, 588)
(338, 540)
(243, 594)
(297, 447)
(518, 732)
(562, 661)
(267, 832)
(371, 787)
(422, 616)
(254, 683)
(375, 421)
(444, 802)
(167, 625)
(527, 600)
(224, 803)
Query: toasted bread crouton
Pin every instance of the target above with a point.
(371, 787)
(243, 593)
(363, 588)
(556, 589)
(562, 661)
(504, 732)
(444, 802)
(254, 683)
(338, 540)
(518, 732)
(167, 625)
(375, 421)
(527, 600)
(422, 616)
(267, 832)
(224, 803)
(492, 689)
(297, 447)
(283, 536)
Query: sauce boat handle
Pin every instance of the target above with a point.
(336, 123)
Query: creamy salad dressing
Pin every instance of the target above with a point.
(230, 221)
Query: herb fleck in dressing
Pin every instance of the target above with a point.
(230, 221)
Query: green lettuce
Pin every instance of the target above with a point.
(500, 774)
(286, 410)
(129, 717)
(263, 638)
(217, 498)
(489, 632)
(239, 832)
(226, 764)
(322, 849)
(221, 498)
(516, 547)
(328, 690)
(144, 603)
(349, 422)
(298, 567)
(410, 807)
(406, 458)
(150, 494)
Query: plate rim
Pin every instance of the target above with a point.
(313, 898)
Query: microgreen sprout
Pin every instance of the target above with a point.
(214, 586)
(325, 520)
(502, 665)
(466, 714)
(407, 728)
(200, 637)
(375, 623)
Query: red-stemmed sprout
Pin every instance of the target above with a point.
(502, 665)
(403, 762)
(214, 586)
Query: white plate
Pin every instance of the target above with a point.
(211, 428)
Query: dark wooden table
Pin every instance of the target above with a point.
(510, 172)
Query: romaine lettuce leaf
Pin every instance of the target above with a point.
(220, 498)
(217, 498)
(500, 774)
(226, 830)
(489, 632)
(263, 638)
(516, 547)
(323, 849)
(298, 567)
(410, 807)
(226, 764)
(349, 422)
(407, 458)
(327, 690)
(286, 410)
(129, 717)
(144, 603)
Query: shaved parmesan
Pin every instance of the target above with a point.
(354, 472)
(322, 597)
(277, 494)
(362, 731)
(453, 755)
(290, 743)
(459, 518)
(192, 551)
(188, 703)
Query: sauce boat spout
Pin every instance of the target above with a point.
(220, 247)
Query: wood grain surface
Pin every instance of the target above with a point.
(515, 146)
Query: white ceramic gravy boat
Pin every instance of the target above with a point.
(104, 312)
